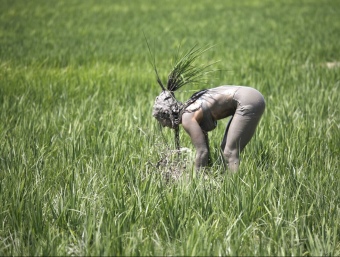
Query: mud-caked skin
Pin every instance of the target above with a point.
(166, 109)
(246, 106)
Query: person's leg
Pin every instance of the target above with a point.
(240, 131)
(242, 127)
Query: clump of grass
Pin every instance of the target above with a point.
(170, 163)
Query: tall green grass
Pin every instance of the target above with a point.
(79, 147)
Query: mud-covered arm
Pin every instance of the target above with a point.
(198, 138)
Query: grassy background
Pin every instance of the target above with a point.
(79, 148)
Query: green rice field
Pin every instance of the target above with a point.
(85, 169)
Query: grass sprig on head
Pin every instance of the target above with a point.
(185, 72)
(153, 63)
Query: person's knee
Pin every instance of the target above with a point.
(232, 159)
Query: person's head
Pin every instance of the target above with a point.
(166, 109)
